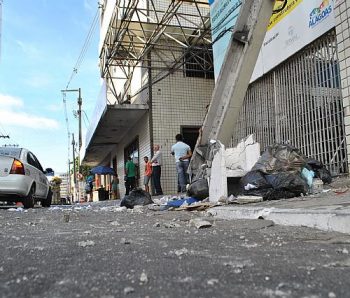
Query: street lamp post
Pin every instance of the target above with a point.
(80, 102)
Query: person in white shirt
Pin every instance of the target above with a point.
(157, 170)
(182, 153)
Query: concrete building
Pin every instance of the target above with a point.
(298, 99)
(156, 66)
(157, 70)
(342, 17)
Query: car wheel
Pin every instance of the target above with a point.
(47, 202)
(28, 201)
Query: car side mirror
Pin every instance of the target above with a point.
(49, 171)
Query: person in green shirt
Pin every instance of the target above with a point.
(130, 173)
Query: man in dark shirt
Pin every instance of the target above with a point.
(130, 173)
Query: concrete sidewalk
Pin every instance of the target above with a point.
(327, 211)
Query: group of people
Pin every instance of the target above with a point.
(152, 171)
(152, 168)
(89, 186)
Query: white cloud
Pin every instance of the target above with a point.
(10, 115)
(10, 101)
(13, 118)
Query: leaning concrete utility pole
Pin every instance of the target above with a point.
(237, 69)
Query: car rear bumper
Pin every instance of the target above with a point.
(14, 185)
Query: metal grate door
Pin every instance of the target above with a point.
(300, 103)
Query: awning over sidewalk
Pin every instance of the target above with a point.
(107, 131)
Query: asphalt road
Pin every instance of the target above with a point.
(105, 252)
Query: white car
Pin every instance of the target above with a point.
(22, 178)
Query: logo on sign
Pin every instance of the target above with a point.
(292, 36)
(320, 13)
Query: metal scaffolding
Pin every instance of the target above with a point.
(153, 34)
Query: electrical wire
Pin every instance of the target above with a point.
(85, 47)
(67, 122)
(86, 119)
(223, 22)
(76, 68)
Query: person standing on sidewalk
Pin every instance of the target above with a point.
(147, 174)
(130, 173)
(89, 186)
(157, 170)
(115, 187)
(182, 153)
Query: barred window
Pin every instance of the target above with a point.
(199, 63)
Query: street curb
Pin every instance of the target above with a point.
(321, 218)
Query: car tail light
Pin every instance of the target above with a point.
(17, 167)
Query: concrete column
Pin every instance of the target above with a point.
(342, 16)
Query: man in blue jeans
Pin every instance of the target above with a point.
(182, 153)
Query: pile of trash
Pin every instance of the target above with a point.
(283, 172)
(196, 193)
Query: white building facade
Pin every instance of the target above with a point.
(157, 68)
(156, 64)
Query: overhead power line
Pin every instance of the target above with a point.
(85, 47)
(76, 68)
(86, 120)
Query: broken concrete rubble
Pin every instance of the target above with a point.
(200, 223)
(231, 163)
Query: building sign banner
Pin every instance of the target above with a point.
(300, 23)
(223, 15)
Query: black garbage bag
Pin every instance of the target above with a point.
(199, 189)
(277, 173)
(283, 185)
(269, 194)
(280, 158)
(288, 181)
(324, 175)
(320, 170)
(136, 197)
(255, 178)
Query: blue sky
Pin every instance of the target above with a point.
(41, 42)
